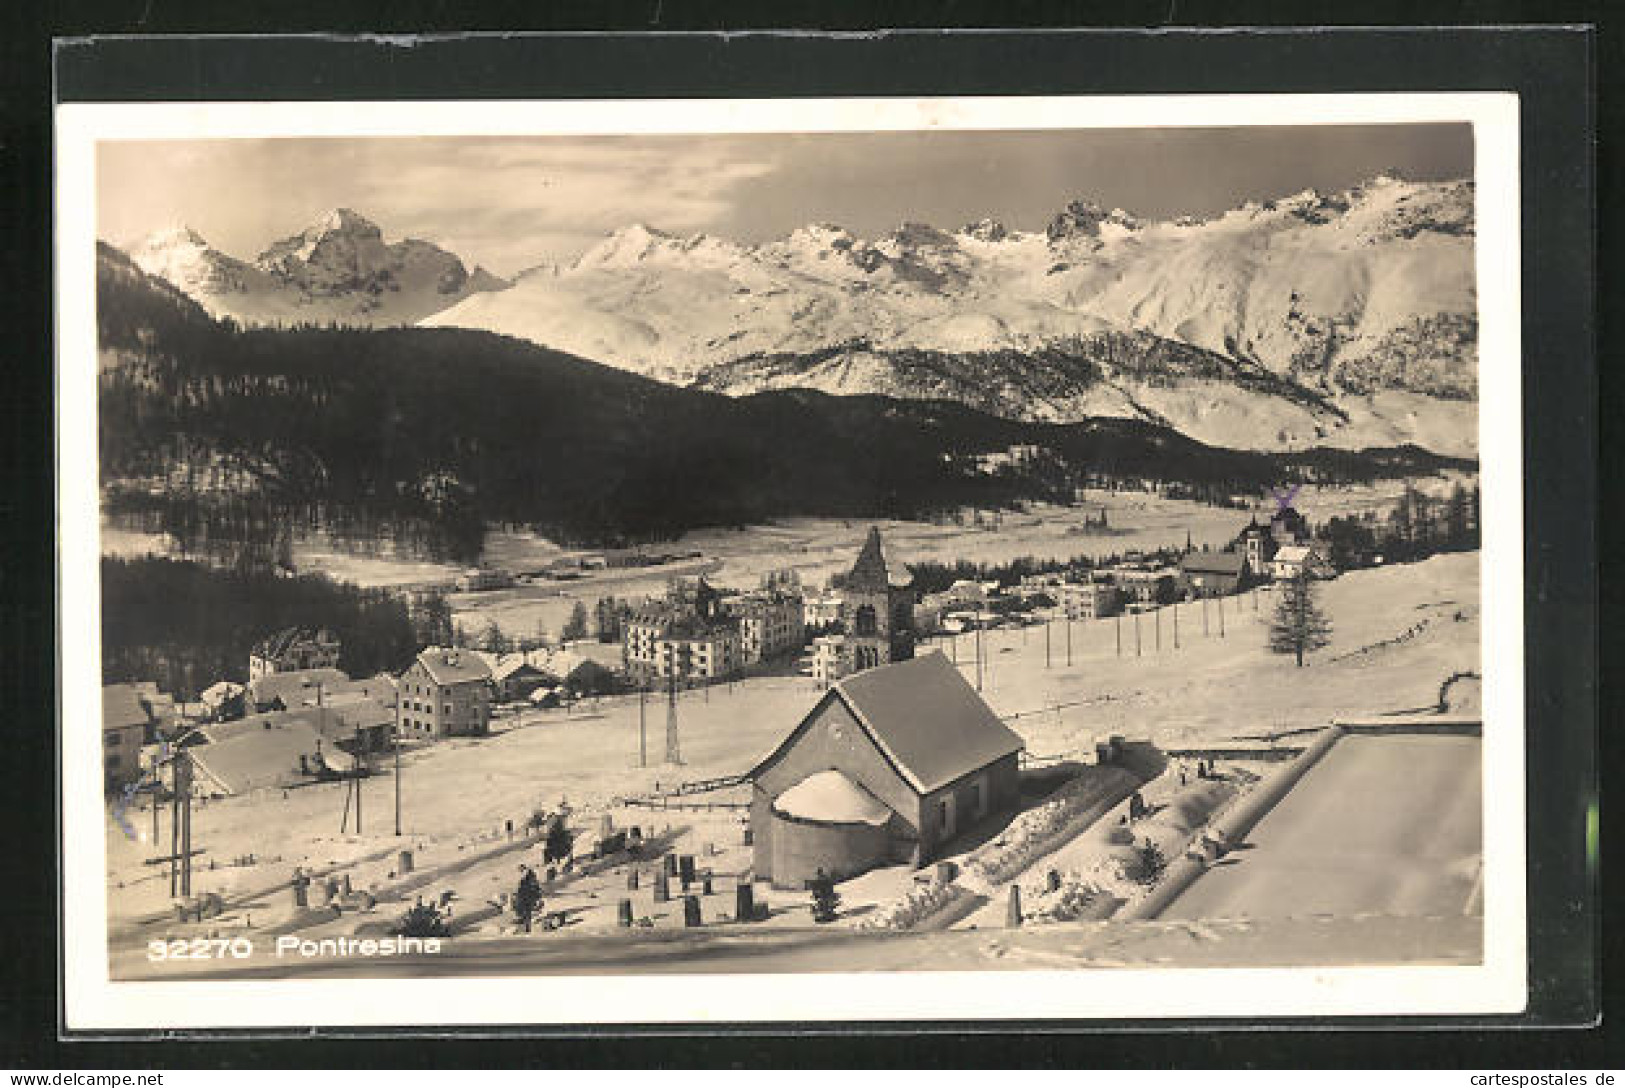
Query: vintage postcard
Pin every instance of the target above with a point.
(826, 560)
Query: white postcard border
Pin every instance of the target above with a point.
(93, 1002)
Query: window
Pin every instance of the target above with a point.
(112, 738)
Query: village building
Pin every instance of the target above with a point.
(127, 724)
(294, 688)
(821, 611)
(1212, 574)
(890, 766)
(1090, 600)
(770, 625)
(1146, 587)
(224, 699)
(662, 645)
(1300, 559)
(513, 675)
(1259, 543)
(445, 693)
(479, 579)
(687, 637)
(294, 648)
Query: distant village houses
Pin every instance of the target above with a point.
(685, 637)
(294, 648)
(1297, 560)
(1213, 574)
(770, 625)
(1090, 600)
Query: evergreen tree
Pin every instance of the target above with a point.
(559, 841)
(826, 901)
(608, 617)
(431, 620)
(527, 898)
(1298, 627)
(576, 626)
(493, 640)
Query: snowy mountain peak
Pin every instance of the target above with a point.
(1084, 219)
(624, 247)
(344, 221)
(338, 268)
(1344, 318)
(175, 236)
(985, 230)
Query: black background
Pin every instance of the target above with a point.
(1553, 70)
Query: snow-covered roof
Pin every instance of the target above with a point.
(453, 666)
(220, 691)
(1213, 562)
(122, 707)
(253, 758)
(832, 797)
(1293, 553)
(927, 721)
(296, 687)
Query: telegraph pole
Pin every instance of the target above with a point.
(1156, 618)
(1176, 625)
(673, 752)
(1069, 640)
(643, 724)
(358, 780)
(1136, 634)
(397, 766)
(1221, 615)
(1046, 643)
(175, 826)
(1119, 621)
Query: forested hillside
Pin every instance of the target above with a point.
(232, 439)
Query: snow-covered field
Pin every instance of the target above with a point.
(457, 795)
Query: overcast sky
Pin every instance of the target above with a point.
(509, 203)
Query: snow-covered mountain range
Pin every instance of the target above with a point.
(1345, 319)
(338, 269)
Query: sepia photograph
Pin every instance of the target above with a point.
(791, 560)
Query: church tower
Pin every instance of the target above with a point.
(877, 608)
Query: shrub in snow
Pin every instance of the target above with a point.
(1149, 863)
(423, 920)
(826, 901)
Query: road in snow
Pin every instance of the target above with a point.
(1384, 824)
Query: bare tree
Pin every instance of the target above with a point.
(1299, 626)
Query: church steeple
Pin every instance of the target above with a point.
(870, 573)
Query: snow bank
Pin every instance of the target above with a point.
(920, 902)
(1038, 831)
